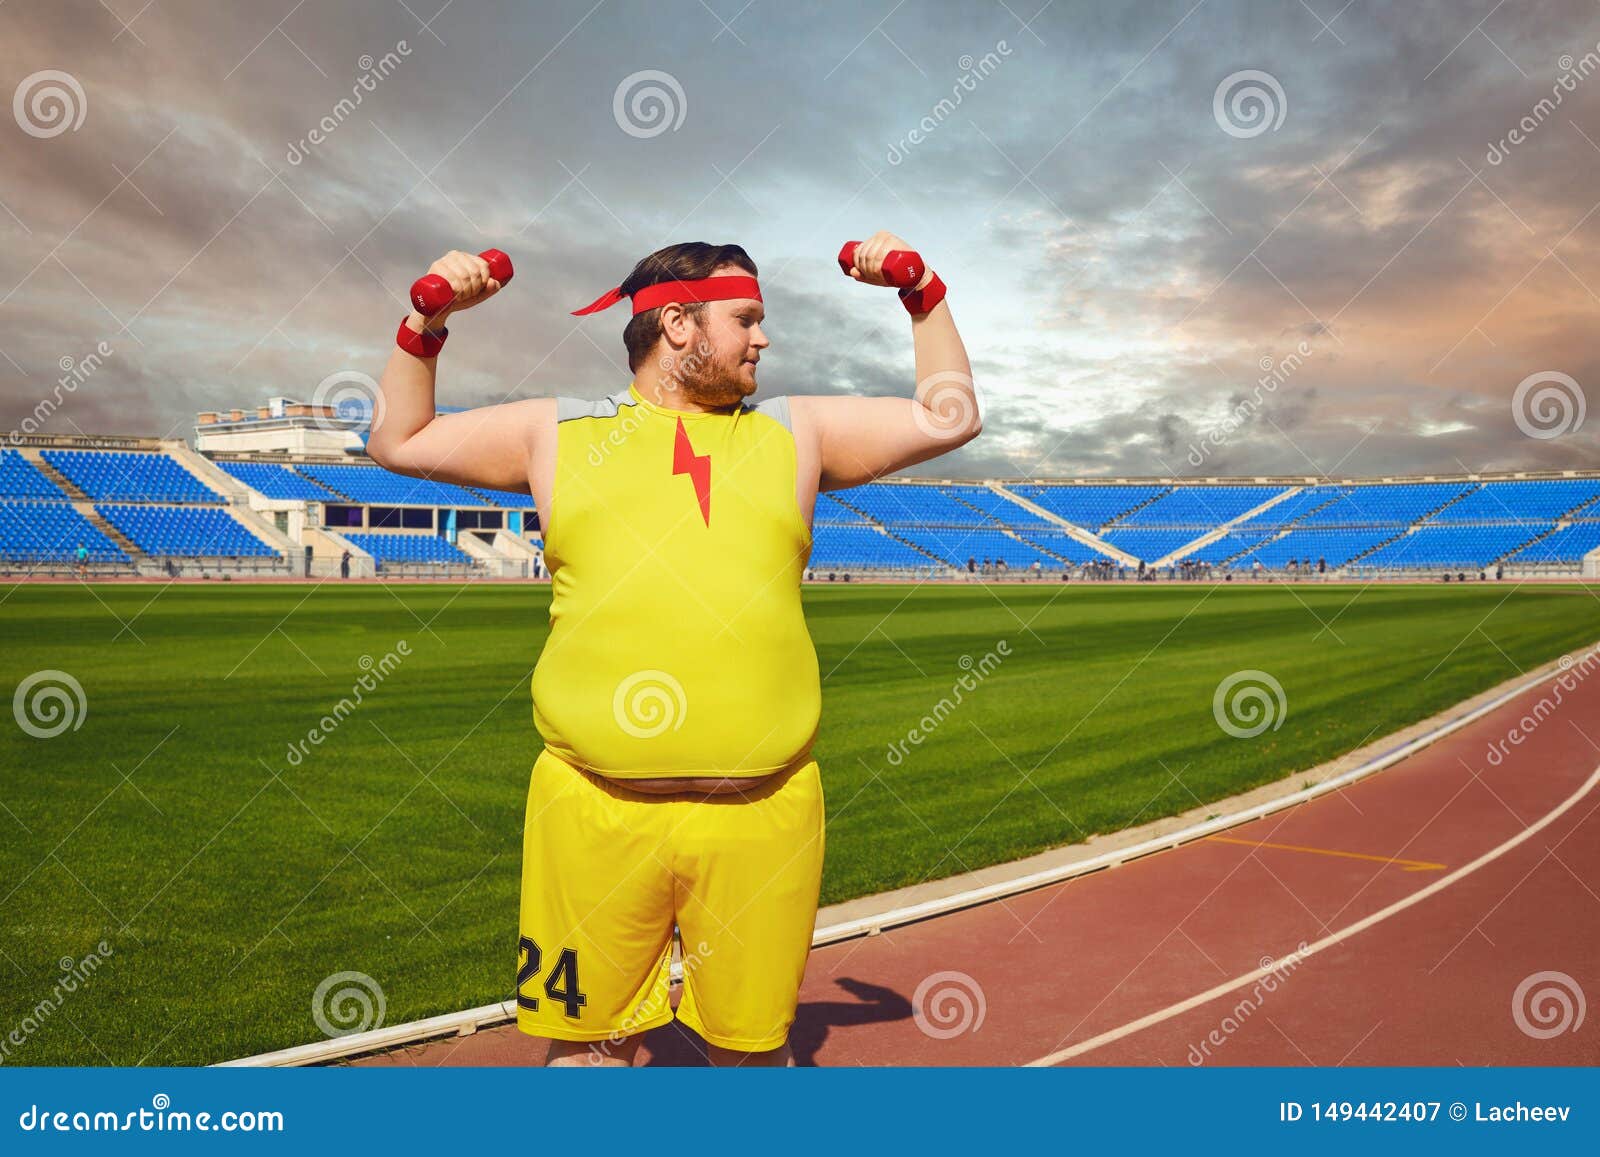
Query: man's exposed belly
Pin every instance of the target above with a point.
(706, 785)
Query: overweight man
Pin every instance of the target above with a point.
(677, 695)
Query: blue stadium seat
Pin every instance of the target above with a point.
(900, 504)
(185, 532)
(830, 510)
(1453, 547)
(164, 510)
(995, 507)
(373, 484)
(20, 478)
(1391, 504)
(1336, 545)
(955, 545)
(1090, 505)
(509, 499)
(40, 532)
(402, 548)
(842, 547)
(114, 475)
(1293, 508)
(274, 480)
(1233, 543)
(1567, 545)
(1531, 500)
(1200, 507)
(1150, 543)
(1059, 542)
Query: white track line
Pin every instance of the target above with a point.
(1377, 917)
(471, 1020)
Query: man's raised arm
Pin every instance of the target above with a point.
(859, 439)
(490, 446)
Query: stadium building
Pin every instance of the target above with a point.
(286, 490)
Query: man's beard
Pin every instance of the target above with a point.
(700, 378)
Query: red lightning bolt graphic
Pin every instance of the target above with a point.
(696, 466)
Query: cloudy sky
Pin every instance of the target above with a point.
(1388, 213)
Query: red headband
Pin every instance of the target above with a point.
(667, 292)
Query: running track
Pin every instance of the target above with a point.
(1113, 968)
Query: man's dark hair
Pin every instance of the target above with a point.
(688, 261)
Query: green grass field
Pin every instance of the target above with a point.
(229, 879)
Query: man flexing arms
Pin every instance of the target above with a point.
(678, 694)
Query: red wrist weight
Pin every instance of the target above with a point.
(920, 301)
(422, 345)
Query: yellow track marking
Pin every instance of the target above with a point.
(1407, 865)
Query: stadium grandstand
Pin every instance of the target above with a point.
(286, 490)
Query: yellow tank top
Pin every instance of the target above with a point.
(677, 644)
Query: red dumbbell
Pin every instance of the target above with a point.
(431, 293)
(902, 267)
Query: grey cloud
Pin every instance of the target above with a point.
(1103, 237)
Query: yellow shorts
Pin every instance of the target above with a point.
(606, 872)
